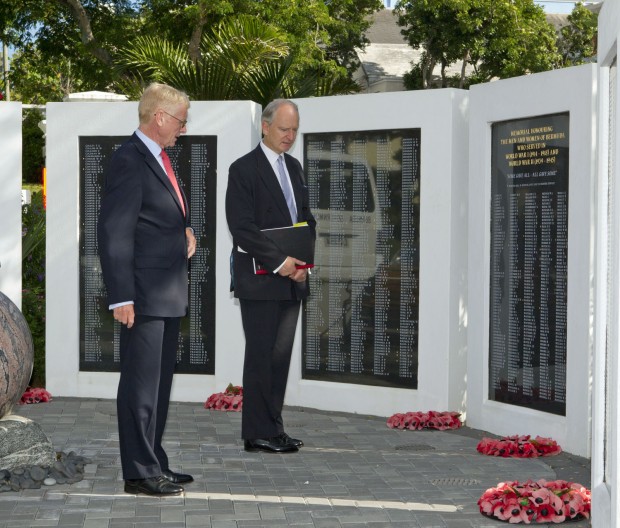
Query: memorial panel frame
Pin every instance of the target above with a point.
(233, 123)
(194, 159)
(501, 102)
(528, 269)
(360, 325)
(441, 118)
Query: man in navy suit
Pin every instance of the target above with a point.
(256, 199)
(144, 246)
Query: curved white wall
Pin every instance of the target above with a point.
(10, 201)
(442, 117)
(606, 376)
(455, 172)
(505, 100)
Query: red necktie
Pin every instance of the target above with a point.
(172, 177)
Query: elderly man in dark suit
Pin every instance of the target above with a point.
(144, 245)
(267, 189)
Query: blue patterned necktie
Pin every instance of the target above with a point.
(287, 190)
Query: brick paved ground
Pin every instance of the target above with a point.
(353, 472)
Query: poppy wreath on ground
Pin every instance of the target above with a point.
(556, 501)
(229, 400)
(35, 395)
(425, 420)
(519, 446)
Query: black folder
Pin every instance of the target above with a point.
(296, 241)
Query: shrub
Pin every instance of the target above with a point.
(33, 142)
(33, 281)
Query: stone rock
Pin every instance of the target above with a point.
(33, 477)
(23, 443)
(38, 473)
(16, 355)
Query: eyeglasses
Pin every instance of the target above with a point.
(181, 121)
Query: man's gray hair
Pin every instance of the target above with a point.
(157, 95)
(271, 108)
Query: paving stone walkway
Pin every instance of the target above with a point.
(352, 472)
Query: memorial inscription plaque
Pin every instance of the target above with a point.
(528, 271)
(194, 161)
(360, 324)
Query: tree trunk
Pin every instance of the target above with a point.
(86, 32)
(194, 41)
(428, 65)
(462, 80)
(444, 83)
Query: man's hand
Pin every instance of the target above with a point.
(125, 314)
(290, 270)
(191, 242)
(300, 275)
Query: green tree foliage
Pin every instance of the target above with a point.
(32, 151)
(497, 38)
(75, 45)
(241, 58)
(577, 42)
(35, 79)
(64, 45)
(316, 30)
(321, 37)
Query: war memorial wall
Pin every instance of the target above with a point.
(453, 256)
(379, 359)
(606, 332)
(383, 325)
(10, 202)
(82, 338)
(194, 159)
(532, 202)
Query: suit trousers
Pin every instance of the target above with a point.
(147, 359)
(269, 328)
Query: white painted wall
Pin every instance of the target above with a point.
(11, 201)
(569, 90)
(606, 369)
(442, 117)
(236, 124)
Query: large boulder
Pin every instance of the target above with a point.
(16, 355)
(23, 443)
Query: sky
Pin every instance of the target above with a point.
(550, 6)
(556, 7)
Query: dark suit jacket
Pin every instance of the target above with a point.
(255, 201)
(141, 235)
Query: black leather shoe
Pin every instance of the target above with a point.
(272, 445)
(291, 441)
(153, 486)
(177, 478)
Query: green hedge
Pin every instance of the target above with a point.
(33, 281)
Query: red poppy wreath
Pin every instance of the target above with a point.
(229, 400)
(519, 446)
(425, 420)
(556, 501)
(35, 395)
